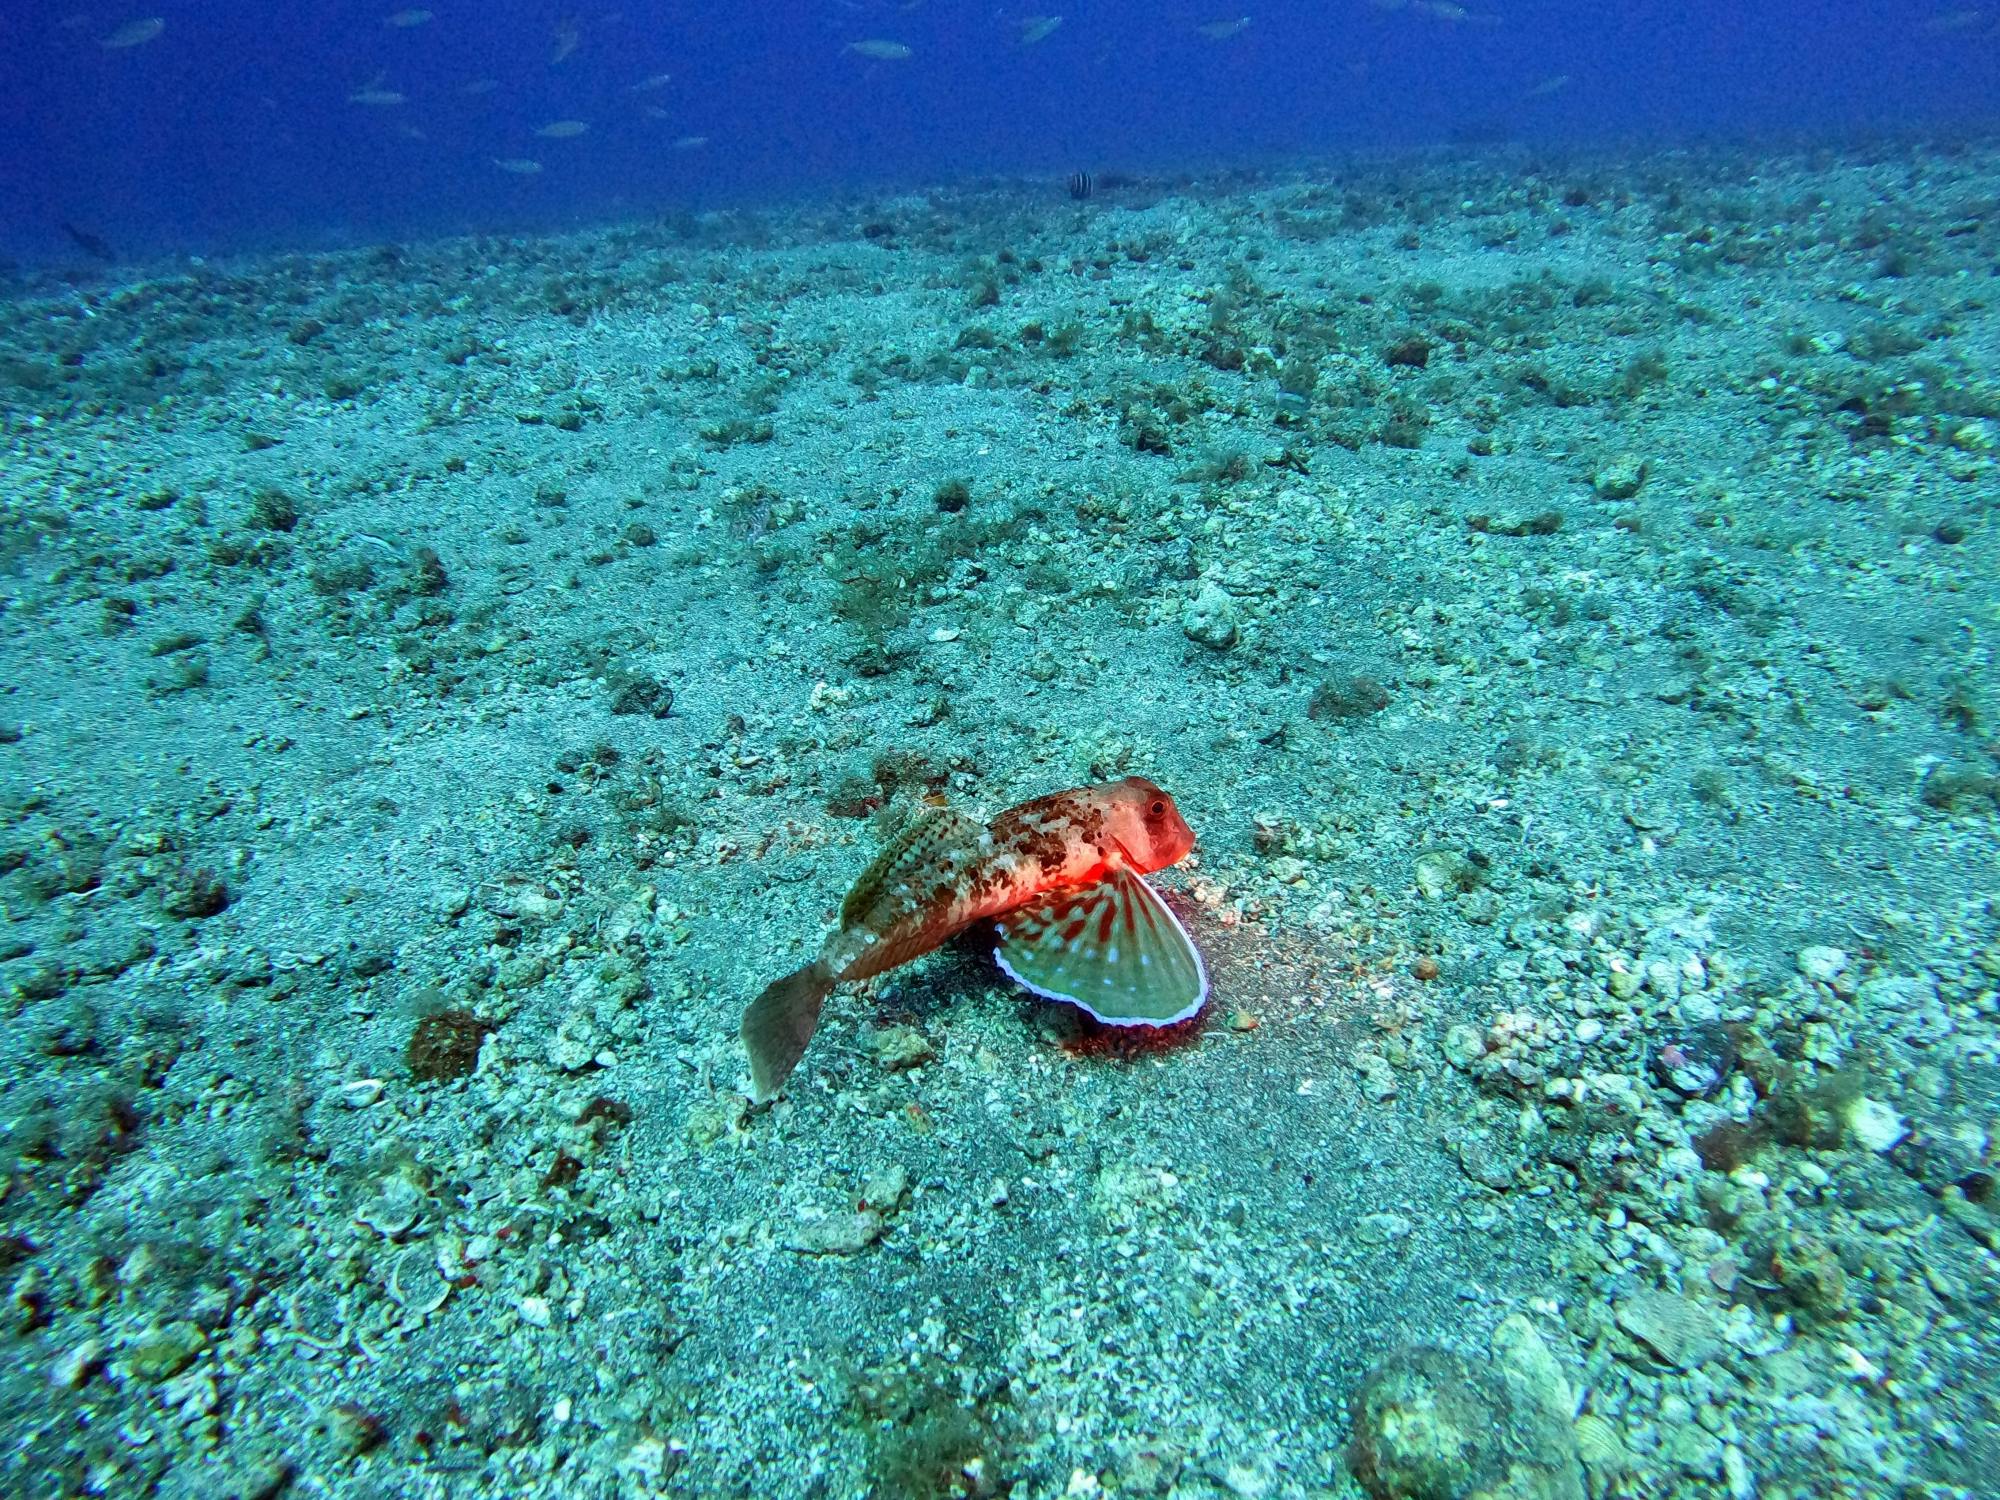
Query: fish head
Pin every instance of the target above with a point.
(1145, 821)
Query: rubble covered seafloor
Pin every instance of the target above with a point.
(444, 682)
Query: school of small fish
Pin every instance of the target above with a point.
(1061, 877)
(569, 34)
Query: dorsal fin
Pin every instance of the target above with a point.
(928, 849)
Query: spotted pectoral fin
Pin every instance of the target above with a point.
(1113, 948)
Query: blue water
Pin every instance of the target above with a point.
(234, 128)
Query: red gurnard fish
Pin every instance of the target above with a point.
(1062, 876)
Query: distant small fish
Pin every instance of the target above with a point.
(649, 83)
(881, 50)
(520, 166)
(403, 20)
(411, 133)
(690, 143)
(1037, 28)
(133, 34)
(1080, 186)
(376, 98)
(568, 37)
(1947, 22)
(1554, 84)
(1222, 31)
(90, 244)
(1063, 876)
(1442, 10)
(563, 130)
(477, 87)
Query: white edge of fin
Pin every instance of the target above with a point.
(1200, 970)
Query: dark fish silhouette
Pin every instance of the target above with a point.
(90, 244)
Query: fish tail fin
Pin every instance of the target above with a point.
(778, 1024)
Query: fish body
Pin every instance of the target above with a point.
(1061, 877)
(1222, 31)
(563, 130)
(375, 98)
(134, 34)
(880, 49)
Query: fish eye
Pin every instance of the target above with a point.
(1158, 809)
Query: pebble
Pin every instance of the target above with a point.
(74, 1366)
(1210, 618)
(1464, 1045)
(1874, 1125)
(1821, 964)
(900, 1047)
(1621, 477)
(160, 1352)
(1381, 1229)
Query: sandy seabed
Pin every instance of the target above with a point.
(444, 682)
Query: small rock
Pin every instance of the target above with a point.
(885, 1190)
(1821, 964)
(194, 893)
(1430, 1425)
(161, 1352)
(1446, 872)
(837, 1234)
(900, 1047)
(1694, 1061)
(534, 1311)
(1874, 1125)
(709, 1120)
(74, 1366)
(640, 694)
(1381, 1229)
(1464, 1045)
(1378, 1079)
(352, 1430)
(1620, 478)
(1489, 1160)
(1210, 618)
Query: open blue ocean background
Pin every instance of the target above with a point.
(235, 125)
